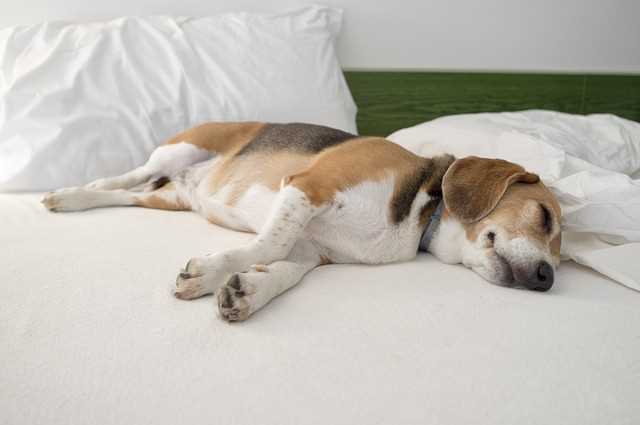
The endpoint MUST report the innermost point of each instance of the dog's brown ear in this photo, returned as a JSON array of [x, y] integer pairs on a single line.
[[473, 186]]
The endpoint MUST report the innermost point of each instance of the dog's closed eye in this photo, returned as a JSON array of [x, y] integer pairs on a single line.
[[547, 220]]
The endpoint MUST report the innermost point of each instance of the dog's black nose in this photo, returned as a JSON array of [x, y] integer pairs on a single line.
[[542, 278]]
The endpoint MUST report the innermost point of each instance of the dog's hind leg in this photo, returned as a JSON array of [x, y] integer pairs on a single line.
[[166, 198], [164, 161], [184, 149]]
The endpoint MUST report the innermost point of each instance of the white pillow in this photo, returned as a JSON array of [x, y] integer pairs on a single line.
[[83, 101]]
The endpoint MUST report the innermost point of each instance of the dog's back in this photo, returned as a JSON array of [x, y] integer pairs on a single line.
[[250, 162]]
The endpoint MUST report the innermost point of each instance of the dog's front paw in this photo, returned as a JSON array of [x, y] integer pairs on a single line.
[[235, 299], [200, 277]]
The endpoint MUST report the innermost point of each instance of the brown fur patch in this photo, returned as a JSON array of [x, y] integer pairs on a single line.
[[160, 202], [260, 268], [353, 162], [224, 138], [518, 213], [555, 244], [267, 169], [473, 186]]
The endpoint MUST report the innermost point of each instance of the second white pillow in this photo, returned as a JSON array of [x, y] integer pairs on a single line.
[[83, 101]]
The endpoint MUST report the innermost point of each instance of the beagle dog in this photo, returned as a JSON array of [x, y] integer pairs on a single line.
[[315, 195]]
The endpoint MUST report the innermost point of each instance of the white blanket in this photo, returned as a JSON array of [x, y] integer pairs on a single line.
[[592, 163]]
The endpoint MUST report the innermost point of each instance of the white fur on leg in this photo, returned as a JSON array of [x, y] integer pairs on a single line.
[[82, 199], [124, 181], [245, 293], [290, 214], [165, 160]]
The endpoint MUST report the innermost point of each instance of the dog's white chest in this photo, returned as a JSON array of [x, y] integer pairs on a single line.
[[357, 227]]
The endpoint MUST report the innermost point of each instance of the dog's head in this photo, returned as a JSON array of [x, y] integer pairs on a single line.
[[511, 222]]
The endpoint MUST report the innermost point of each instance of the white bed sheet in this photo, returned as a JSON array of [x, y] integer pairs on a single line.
[[90, 334]]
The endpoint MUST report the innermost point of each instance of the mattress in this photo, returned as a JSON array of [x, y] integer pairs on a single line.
[[89, 333]]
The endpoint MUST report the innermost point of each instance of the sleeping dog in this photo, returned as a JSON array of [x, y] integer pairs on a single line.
[[315, 195]]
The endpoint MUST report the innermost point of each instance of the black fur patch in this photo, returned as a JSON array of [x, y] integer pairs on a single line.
[[409, 187], [429, 176], [234, 282], [159, 182], [295, 137], [224, 300], [547, 223]]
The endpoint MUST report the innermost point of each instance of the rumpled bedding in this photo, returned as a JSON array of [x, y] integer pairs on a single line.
[[591, 163]]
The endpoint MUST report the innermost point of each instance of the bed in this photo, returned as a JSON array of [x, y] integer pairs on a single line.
[[90, 333]]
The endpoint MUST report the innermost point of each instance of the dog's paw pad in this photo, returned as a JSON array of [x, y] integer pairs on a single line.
[[233, 300], [201, 276], [189, 287]]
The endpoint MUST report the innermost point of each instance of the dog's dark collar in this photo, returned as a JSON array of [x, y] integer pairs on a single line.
[[434, 222]]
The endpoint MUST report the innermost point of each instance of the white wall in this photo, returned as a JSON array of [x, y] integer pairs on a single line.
[[544, 35]]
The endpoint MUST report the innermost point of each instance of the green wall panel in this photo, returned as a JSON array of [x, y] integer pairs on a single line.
[[388, 101]]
